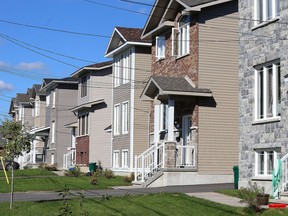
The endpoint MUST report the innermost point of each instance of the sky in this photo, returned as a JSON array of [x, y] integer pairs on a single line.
[[35, 43]]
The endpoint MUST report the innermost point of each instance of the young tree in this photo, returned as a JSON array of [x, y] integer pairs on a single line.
[[18, 141]]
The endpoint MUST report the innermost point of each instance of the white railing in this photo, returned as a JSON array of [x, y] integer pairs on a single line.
[[149, 162], [69, 159], [284, 179], [186, 156], [25, 160]]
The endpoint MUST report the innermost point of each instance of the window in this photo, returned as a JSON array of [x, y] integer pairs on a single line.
[[83, 124], [163, 117], [266, 10], [125, 158], [126, 68], [116, 125], [37, 108], [53, 98], [48, 100], [84, 86], [117, 70], [160, 47], [265, 161], [116, 159], [125, 117], [267, 91], [181, 37], [53, 132]]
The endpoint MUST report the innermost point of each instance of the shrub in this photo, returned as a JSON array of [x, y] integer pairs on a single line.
[[249, 195], [73, 172], [108, 174], [129, 179], [93, 181], [50, 167]]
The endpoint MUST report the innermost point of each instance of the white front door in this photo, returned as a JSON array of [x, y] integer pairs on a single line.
[[186, 139]]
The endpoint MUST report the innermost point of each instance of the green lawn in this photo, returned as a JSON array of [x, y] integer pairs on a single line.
[[229, 192], [56, 183], [28, 172], [155, 204]]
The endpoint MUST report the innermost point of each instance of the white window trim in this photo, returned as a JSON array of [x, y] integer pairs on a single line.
[[275, 108], [122, 157], [265, 174], [48, 100], [265, 19], [84, 88], [116, 120], [37, 108], [160, 47], [53, 132], [116, 163], [117, 70], [53, 98], [124, 131]]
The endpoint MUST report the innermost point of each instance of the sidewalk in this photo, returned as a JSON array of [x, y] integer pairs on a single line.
[[219, 198]]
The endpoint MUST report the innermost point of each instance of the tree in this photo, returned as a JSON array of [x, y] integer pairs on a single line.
[[18, 141]]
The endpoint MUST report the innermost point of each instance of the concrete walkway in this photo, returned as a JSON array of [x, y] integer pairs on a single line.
[[219, 198]]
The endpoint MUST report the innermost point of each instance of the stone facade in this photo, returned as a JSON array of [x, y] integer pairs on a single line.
[[258, 45]]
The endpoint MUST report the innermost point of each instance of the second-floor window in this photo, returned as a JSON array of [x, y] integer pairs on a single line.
[[84, 86], [53, 132], [83, 124], [266, 10], [116, 126], [267, 91], [160, 47], [37, 108], [53, 98], [125, 117], [181, 37], [122, 68]]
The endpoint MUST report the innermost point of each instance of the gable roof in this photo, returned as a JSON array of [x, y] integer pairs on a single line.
[[123, 37], [94, 67], [22, 98], [162, 87], [48, 82], [163, 14]]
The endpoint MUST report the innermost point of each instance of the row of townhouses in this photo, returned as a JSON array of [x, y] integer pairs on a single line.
[[199, 89]]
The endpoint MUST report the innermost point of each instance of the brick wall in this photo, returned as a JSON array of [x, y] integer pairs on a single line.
[[82, 150]]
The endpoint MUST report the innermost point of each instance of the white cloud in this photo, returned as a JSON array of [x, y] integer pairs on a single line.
[[5, 86], [3, 64], [31, 66]]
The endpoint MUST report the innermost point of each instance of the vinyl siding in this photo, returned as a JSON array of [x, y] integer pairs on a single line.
[[142, 108], [218, 71]]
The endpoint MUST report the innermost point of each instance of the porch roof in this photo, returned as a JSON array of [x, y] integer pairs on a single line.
[[42, 131], [163, 87], [87, 105]]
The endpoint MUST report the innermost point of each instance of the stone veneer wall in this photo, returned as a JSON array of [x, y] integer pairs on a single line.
[[257, 46]]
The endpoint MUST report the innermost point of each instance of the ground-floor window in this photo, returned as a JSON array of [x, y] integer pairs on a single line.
[[265, 161], [125, 158], [116, 159]]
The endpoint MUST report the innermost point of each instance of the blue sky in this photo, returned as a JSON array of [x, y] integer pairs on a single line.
[[20, 67]]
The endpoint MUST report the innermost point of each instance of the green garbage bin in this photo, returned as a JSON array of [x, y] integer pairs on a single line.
[[92, 167], [236, 176]]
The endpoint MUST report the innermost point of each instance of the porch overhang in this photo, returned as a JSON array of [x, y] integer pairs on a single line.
[[175, 88], [87, 105], [43, 131], [71, 125]]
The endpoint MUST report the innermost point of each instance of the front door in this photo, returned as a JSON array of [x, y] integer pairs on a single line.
[[186, 139]]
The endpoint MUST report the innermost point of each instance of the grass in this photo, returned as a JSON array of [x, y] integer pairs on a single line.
[[50, 183], [153, 204], [28, 172], [229, 192]]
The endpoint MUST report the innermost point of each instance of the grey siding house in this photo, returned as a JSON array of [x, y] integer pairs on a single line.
[[93, 109], [263, 91], [131, 69], [61, 96]]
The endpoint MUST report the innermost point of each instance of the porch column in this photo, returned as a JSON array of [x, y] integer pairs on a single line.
[[171, 104], [156, 123]]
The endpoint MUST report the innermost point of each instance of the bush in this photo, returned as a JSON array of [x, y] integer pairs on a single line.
[[129, 179], [108, 174], [50, 167], [93, 181], [249, 195], [73, 172]]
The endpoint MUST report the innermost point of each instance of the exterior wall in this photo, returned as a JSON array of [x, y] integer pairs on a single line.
[[141, 108], [39, 121], [28, 119], [255, 51], [100, 118], [218, 71], [65, 100]]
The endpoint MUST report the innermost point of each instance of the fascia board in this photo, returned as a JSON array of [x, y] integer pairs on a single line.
[[200, 7], [127, 44]]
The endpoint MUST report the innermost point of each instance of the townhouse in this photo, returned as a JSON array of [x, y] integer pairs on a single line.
[[263, 92], [93, 110], [131, 69], [194, 90]]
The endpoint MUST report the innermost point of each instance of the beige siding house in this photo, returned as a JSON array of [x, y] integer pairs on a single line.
[[131, 69], [93, 139], [194, 90]]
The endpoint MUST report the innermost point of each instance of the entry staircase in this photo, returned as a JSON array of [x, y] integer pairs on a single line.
[[69, 159], [150, 165]]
